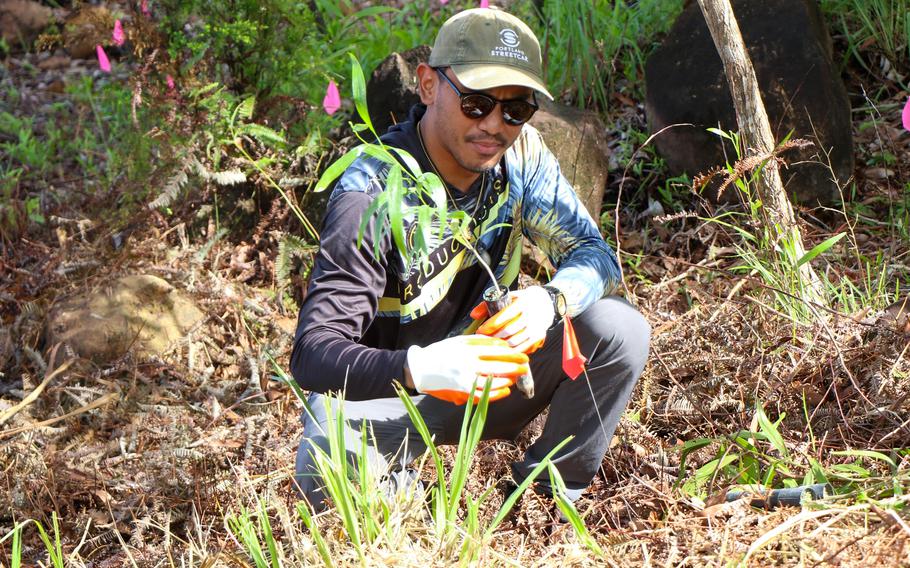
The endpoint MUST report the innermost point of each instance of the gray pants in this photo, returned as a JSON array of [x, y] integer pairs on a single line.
[[611, 334]]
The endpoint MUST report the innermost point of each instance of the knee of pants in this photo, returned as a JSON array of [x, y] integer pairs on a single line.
[[614, 331]]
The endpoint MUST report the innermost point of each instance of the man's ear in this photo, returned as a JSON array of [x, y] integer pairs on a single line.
[[427, 83]]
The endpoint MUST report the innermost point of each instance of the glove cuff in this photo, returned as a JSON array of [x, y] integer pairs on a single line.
[[415, 362]]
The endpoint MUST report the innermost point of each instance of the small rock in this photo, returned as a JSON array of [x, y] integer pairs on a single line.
[[54, 62], [878, 174], [57, 87], [86, 28], [22, 20], [140, 313]]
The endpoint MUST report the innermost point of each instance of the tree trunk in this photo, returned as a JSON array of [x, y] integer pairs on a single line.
[[755, 130]]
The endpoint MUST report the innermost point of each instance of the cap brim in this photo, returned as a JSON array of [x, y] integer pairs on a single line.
[[479, 77]]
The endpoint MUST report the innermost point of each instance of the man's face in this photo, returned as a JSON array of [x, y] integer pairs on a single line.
[[471, 145]]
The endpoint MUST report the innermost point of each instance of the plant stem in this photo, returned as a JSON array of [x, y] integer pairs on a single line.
[[483, 263]]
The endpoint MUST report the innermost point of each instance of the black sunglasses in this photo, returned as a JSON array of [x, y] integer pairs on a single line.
[[515, 112]]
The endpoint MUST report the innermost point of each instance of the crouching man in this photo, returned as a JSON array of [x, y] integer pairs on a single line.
[[368, 322]]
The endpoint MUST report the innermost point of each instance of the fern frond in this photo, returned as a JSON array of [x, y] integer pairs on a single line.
[[263, 134], [229, 177], [170, 190], [289, 248]]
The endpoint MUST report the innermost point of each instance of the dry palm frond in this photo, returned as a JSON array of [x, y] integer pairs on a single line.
[[747, 164]]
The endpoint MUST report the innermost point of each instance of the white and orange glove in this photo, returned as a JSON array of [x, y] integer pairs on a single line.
[[524, 322], [456, 368]]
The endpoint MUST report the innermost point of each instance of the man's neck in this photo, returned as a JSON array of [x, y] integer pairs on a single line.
[[446, 167]]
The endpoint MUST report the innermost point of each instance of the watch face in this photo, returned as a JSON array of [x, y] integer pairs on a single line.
[[559, 301], [560, 304]]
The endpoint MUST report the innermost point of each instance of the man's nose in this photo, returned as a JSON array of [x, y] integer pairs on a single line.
[[493, 123]]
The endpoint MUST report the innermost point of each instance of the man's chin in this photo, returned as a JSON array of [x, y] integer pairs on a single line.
[[484, 164]]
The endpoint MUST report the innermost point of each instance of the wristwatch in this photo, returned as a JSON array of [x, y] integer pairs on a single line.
[[559, 303]]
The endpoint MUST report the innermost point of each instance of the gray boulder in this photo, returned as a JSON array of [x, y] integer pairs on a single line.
[[791, 51], [578, 140], [392, 89]]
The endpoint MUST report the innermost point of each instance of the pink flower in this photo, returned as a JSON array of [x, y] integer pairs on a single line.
[[484, 3], [905, 117], [103, 61], [443, 1], [145, 7], [118, 35], [171, 86], [332, 101]]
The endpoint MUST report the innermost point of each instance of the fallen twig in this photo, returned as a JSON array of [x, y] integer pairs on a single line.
[[784, 527], [110, 397], [32, 396]]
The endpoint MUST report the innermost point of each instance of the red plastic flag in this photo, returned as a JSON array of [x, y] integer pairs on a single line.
[[332, 101], [905, 117], [484, 3], [145, 7], [118, 36], [103, 61], [573, 362], [171, 86]]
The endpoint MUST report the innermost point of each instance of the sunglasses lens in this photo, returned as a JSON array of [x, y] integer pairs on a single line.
[[517, 112], [477, 106]]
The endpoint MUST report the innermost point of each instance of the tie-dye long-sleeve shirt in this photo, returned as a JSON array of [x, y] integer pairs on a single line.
[[361, 313]]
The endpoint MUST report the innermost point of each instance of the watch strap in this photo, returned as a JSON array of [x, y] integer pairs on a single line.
[[559, 304]]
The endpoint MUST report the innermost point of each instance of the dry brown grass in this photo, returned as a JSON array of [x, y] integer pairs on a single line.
[[149, 477]]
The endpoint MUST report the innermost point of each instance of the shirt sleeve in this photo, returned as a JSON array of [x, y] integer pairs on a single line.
[[341, 302], [556, 221]]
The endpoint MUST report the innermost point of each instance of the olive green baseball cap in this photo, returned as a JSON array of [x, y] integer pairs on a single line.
[[488, 48]]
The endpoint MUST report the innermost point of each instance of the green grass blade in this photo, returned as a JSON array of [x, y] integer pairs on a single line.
[[771, 432], [867, 454], [819, 249], [337, 168], [241, 526], [424, 432], [396, 205], [266, 527], [54, 548], [309, 520], [513, 498], [282, 377], [570, 512], [16, 553], [359, 88]]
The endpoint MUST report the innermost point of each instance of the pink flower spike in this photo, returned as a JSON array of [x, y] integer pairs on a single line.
[[103, 61], [145, 7], [171, 86], [484, 3], [905, 117], [118, 35], [332, 101]]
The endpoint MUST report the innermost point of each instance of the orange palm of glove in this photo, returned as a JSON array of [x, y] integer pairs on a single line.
[[506, 322]]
